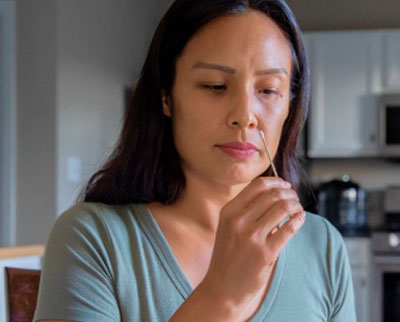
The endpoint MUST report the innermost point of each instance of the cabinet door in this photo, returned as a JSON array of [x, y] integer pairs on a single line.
[[359, 253], [391, 61], [346, 76], [361, 293]]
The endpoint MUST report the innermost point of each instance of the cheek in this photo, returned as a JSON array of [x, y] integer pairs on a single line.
[[273, 116], [196, 115], [272, 124], [191, 122]]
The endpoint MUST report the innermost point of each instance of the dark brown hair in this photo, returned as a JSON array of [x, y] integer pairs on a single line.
[[145, 166]]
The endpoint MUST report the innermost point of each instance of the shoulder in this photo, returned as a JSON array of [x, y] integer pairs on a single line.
[[109, 224], [320, 248], [94, 214], [93, 222], [92, 231], [319, 240], [320, 231]]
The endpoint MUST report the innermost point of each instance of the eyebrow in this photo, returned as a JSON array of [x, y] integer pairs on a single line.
[[230, 70]]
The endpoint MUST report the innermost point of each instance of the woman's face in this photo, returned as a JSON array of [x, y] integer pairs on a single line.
[[232, 80]]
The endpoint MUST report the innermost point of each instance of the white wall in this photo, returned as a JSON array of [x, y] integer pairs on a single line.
[[7, 122], [99, 52], [36, 128], [73, 59]]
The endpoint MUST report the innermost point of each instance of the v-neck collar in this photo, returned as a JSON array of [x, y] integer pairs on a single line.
[[170, 263]]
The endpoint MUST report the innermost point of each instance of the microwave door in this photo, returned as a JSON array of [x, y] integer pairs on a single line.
[[389, 125]]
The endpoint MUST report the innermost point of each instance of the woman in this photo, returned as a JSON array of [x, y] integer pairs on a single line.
[[185, 222]]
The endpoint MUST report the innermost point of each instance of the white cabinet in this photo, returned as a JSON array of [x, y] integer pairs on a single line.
[[345, 76], [391, 61], [359, 252], [349, 70]]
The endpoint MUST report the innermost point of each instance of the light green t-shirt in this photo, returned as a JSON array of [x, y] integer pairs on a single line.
[[112, 263]]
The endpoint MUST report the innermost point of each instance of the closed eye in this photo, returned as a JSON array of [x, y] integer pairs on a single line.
[[215, 88], [268, 91], [221, 88]]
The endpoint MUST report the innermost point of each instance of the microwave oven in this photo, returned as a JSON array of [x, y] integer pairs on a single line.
[[389, 125]]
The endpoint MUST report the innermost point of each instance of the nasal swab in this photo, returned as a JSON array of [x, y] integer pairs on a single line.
[[273, 169], [269, 154]]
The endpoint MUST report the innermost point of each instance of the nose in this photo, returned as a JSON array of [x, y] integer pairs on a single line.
[[242, 112]]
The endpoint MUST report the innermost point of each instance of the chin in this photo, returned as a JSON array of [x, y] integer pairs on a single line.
[[240, 177]]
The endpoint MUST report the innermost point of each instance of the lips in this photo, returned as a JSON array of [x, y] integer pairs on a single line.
[[238, 150], [239, 145]]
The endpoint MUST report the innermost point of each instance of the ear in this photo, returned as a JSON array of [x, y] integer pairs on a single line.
[[166, 103]]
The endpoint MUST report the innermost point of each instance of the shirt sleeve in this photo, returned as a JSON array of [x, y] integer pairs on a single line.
[[343, 308], [77, 280]]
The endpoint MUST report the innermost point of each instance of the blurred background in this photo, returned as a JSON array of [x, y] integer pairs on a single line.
[[65, 70]]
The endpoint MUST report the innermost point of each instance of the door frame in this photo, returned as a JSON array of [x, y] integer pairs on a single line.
[[8, 121]]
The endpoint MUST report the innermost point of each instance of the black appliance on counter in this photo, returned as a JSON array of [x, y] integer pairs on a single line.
[[343, 203]]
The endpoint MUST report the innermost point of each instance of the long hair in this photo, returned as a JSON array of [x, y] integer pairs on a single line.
[[145, 166]]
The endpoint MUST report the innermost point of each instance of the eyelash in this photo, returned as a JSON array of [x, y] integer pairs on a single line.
[[215, 88], [218, 89]]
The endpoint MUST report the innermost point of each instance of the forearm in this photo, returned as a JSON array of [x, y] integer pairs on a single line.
[[205, 305]]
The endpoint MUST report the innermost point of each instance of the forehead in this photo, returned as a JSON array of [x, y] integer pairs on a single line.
[[242, 40]]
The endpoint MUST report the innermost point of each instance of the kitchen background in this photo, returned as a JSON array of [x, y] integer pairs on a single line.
[[64, 69]]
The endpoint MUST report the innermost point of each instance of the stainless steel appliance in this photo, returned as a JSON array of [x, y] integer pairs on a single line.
[[391, 205], [385, 244], [385, 295], [389, 125], [343, 203]]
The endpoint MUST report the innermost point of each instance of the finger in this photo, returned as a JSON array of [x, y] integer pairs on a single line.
[[265, 201], [279, 239], [276, 228], [257, 186], [277, 213]]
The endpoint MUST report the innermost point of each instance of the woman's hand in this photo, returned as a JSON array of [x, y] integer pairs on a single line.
[[247, 242]]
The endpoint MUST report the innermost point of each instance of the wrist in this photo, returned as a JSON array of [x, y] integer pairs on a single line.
[[223, 305], [206, 303]]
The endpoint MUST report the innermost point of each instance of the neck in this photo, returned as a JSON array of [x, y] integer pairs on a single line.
[[200, 203]]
